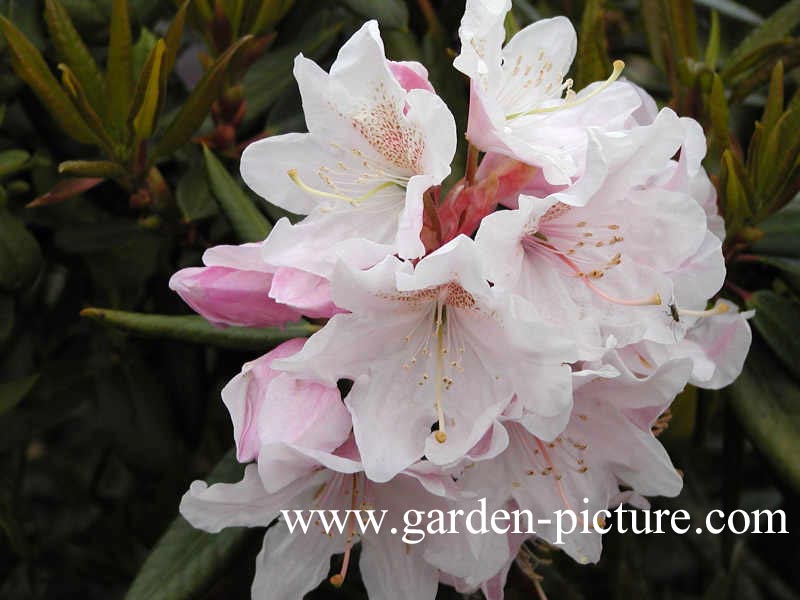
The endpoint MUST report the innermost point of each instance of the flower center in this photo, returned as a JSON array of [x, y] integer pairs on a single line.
[[587, 251], [440, 340]]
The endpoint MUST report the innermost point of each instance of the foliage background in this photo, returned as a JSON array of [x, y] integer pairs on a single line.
[[106, 416]]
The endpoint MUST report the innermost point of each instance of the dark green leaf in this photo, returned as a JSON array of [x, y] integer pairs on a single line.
[[196, 107], [186, 561], [20, 257], [781, 233], [191, 328], [72, 51], [766, 401], [193, 195], [12, 161], [777, 26], [777, 319], [119, 75], [29, 65], [12, 392], [790, 265], [391, 14], [248, 223]]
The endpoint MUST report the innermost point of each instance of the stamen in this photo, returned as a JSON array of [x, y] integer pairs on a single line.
[[719, 309], [618, 67], [653, 300], [440, 435], [295, 177], [338, 579]]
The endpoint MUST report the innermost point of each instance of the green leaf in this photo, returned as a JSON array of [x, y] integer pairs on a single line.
[[248, 223], [712, 48], [777, 26], [192, 328], [72, 51], [20, 256], [12, 392], [735, 192], [193, 195], [29, 66], [119, 73], [391, 14], [777, 319], [103, 169], [149, 96], [173, 37], [733, 10], [268, 15], [790, 265], [195, 108], [766, 401], [186, 561], [720, 116], [13, 161], [593, 63], [90, 117], [773, 108]]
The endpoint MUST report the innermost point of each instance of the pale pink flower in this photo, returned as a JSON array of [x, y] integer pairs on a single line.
[[607, 443], [270, 409], [520, 104], [233, 288], [373, 149], [617, 262], [434, 345], [717, 345]]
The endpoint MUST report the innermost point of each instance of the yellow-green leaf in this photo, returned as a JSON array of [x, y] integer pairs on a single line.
[[105, 169], [150, 91], [196, 107], [84, 107], [29, 66], [593, 63], [119, 74], [72, 51]]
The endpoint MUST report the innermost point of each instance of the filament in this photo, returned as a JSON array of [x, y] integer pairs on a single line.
[[295, 177], [618, 67]]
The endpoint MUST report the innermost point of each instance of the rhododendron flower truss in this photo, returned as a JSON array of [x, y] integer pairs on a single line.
[[520, 103], [434, 345], [373, 149]]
